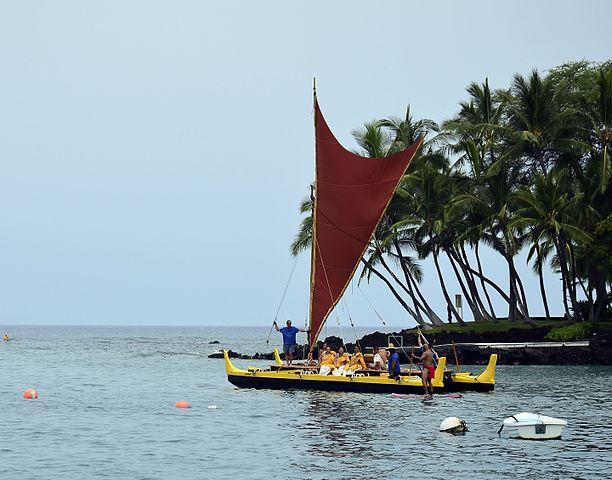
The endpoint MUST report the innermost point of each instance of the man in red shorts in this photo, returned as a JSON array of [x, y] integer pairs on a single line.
[[429, 369]]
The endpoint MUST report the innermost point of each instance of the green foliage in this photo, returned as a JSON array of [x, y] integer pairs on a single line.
[[527, 166], [570, 333], [490, 327]]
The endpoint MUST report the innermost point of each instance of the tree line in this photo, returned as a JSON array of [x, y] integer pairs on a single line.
[[522, 168]]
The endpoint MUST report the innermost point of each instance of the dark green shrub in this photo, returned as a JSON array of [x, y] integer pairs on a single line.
[[570, 333]]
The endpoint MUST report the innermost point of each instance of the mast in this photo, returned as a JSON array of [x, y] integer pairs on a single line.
[[313, 199]]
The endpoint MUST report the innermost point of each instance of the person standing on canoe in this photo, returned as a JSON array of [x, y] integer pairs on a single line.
[[431, 347], [428, 368], [394, 363], [289, 342]]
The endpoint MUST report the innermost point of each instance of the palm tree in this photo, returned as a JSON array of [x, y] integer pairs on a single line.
[[425, 190], [406, 131], [303, 239], [373, 140], [473, 135], [587, 90], [489, 202], [541, 250], [547, 208], [479, 119], [537, 122], [530, 168], [602, 126]]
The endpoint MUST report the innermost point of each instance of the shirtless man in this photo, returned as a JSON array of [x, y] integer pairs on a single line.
[[428, 368], [380, 359], [431, 346]]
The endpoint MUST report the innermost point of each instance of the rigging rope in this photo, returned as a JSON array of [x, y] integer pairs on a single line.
[[371, 305], [427, 341], [282, 299], [341, 333], [348, 314], [331, 295]]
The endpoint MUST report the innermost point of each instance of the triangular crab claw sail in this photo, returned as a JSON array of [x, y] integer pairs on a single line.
[[352, 194]]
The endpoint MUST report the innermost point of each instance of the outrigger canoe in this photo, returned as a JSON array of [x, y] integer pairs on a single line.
[[277, 377], [349, 198]]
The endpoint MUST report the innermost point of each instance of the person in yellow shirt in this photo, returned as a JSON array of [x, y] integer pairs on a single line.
[[321, 352], [328, 361], [342, 361], [357, 362]]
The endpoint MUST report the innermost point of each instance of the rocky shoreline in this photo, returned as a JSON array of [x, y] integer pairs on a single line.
[[598, 351]]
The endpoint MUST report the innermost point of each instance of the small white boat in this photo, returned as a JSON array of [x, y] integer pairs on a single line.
[[532, 426]]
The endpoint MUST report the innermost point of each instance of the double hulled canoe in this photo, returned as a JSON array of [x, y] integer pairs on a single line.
[[306, 378]]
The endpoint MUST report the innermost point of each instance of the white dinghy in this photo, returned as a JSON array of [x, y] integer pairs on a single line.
[[532, 426]]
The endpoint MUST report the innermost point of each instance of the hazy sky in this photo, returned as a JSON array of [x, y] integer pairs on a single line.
[[153, 153]]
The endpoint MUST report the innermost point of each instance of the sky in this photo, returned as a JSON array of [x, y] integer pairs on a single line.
[[153, 153]]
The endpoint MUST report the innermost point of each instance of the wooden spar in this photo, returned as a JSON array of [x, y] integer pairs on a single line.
[[412, 363], [456, 358], [312, 334]]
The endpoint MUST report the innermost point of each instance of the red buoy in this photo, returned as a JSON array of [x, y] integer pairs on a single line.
[[182, 404], [30, 393]]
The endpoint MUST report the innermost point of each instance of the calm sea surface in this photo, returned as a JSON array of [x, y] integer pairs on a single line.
[[106, 410]]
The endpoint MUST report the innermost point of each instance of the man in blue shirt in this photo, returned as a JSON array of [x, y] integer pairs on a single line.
[[289, 342], [394, 362]]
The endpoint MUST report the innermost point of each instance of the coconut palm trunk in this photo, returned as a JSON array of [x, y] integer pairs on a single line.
[[431, 315], [471, 283], [408, 291], [444, 291], [478, 317], [568, 291], [483, 278], [539, 262], [395, 293], [522, 298], [482, 283]]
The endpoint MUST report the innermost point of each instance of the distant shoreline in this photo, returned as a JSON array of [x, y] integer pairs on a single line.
[[475, 344]]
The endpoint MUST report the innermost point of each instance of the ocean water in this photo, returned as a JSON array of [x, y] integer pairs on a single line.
[[106, 410]]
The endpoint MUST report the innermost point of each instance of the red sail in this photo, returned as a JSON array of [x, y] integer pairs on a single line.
[[352, 193]]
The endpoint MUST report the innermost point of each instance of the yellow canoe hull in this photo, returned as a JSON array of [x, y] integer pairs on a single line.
[[308, 380]]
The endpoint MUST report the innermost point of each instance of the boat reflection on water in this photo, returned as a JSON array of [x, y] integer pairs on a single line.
[[345, 425]]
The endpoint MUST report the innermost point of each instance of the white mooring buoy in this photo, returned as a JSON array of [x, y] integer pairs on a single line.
[[453, 425]]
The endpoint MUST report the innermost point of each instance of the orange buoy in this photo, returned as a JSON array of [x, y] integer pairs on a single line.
[[182, 404], [30, 393]]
